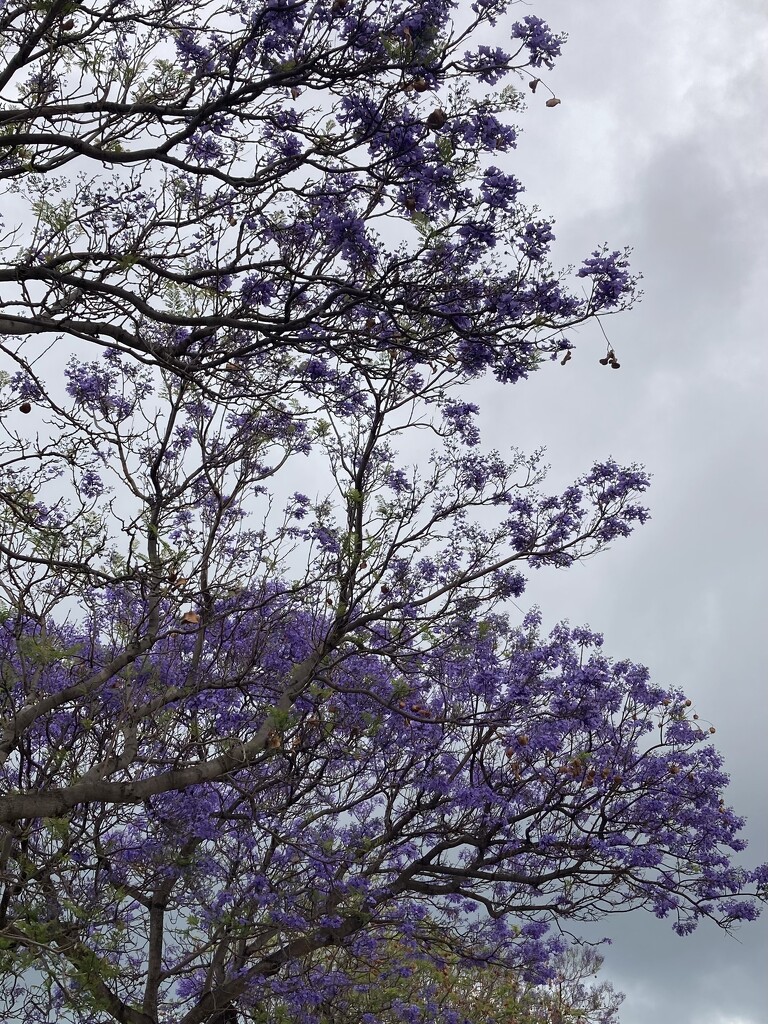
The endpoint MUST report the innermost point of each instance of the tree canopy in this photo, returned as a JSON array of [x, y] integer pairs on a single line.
[[263, 693]]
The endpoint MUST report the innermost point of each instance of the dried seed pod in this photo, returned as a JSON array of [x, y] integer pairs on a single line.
[[25, 407], [605, 361], [533, 83], [437, 119], [420, 84], [68, 25], [565, 358], [553, 102], [191, 617], [615, 365]]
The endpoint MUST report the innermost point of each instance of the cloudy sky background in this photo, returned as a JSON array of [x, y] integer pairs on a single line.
[[660, 142]]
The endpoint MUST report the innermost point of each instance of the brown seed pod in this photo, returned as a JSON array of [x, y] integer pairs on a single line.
[[437, 119], [68, 25], [533, 83], [615, 365], [553, 102], [25, 407], [712, 730], [420, 84], [191, 617], [565, 358], [605, 361]]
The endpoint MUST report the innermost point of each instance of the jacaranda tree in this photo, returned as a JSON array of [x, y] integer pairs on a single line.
[[394, 983], [260, 692]]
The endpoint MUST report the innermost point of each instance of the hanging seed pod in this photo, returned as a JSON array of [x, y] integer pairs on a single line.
[[437, 119], [553, 102], [533, 83], [25, 407], [605, 361], [420, 84], [615, 365]]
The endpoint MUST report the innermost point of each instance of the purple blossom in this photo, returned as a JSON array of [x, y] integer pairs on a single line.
[[192, 53], [542, 44], [489, 65], [257, 291], [612, 282], [535, 240]]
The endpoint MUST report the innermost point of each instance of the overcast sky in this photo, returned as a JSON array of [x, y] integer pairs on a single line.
[[661, 142]]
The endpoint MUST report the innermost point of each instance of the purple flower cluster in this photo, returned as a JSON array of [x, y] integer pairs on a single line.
[[538, 38]]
